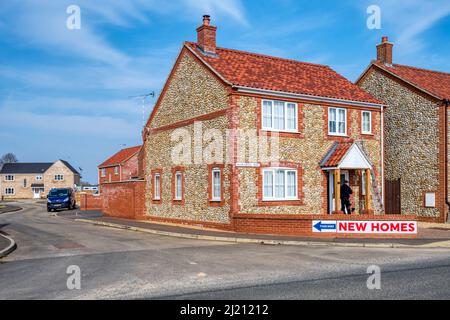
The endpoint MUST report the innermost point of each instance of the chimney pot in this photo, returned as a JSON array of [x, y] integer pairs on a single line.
[[206, 20], [384, 39]]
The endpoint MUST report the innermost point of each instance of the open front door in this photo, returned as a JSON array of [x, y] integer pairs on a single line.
[[331, 198]]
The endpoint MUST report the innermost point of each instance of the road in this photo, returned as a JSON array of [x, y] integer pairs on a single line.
[[126, 264]]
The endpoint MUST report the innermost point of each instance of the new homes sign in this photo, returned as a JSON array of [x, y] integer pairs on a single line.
[[364, 227]]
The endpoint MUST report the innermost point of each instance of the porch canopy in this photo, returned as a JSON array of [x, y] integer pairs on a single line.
[[347, 156]]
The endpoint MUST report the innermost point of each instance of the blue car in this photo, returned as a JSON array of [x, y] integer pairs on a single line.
[[61, 198]]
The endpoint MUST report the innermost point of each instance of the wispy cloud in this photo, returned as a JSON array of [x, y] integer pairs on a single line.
[[79, 126], [411, 19]]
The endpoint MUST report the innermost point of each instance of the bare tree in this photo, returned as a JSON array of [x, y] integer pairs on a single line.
[[8, 158]]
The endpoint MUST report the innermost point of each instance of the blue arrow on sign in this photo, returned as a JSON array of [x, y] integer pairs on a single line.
[[325, 226]]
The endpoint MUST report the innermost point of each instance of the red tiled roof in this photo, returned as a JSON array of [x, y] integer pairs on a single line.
[[265, 72], [435, 82], [120, 156], [334, 156]]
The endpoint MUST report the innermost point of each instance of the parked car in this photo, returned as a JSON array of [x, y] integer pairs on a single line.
[[60, 198]]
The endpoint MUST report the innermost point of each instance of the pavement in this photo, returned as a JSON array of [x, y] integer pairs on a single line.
[[123, 264], [8, 208], [430, 236], [7, 244]]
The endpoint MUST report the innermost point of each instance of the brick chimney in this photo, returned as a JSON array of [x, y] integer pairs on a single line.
[[384, 51], [206, 36]]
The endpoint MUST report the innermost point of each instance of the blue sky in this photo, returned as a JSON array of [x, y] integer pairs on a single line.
[[66, 93]]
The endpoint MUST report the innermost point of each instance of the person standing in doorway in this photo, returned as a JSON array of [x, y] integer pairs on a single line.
[[346, 191]]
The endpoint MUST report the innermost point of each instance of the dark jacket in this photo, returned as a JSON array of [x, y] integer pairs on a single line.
[[346, 191]]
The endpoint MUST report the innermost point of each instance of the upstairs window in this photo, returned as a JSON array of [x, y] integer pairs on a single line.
[[366, 122], [337, 121], [24, 183], [116, 170], [103, 172], [39, 177], [279, 116], [59, 177], [9, 177]]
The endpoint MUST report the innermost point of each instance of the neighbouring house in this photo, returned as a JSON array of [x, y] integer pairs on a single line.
[[329, 130], [121, 166], [416, 134], [33, 180]]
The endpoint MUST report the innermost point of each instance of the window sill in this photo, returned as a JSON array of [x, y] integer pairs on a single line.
[[269, 203], [178, 201], [216, 203], [338, 135]]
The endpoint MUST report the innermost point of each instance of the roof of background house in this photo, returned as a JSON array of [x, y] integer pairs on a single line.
[[120, 156], [23, 167], [434, 82], [31, 167], [68, 165], [284, 75]]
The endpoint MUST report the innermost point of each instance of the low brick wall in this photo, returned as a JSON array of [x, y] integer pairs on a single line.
[[301, 225], [124, 199], [88, 201]]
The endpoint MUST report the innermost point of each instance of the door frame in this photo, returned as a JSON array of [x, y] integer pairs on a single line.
[[330, 188]]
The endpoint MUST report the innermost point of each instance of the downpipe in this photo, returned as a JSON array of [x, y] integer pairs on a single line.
[[446, 103]]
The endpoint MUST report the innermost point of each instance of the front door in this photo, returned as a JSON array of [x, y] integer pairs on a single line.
[[36, 193], [344, 176]]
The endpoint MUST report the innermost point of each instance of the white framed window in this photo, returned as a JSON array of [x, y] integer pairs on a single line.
[[59, 177], [39, 177], [9, 191], [366, 122], [178, 185], [337, 121], [103, 172], [216, 179], [280, 184], [116, 170], [9, 177], [279, 116], [157, 186], [430, 199], [24, 183]]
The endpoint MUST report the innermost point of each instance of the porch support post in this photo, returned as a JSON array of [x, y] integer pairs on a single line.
[[368, 195], [337, 190]]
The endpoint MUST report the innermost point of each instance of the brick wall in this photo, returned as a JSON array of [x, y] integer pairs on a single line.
[[89, 201], [301, 225], [129, 168], [124, 199]]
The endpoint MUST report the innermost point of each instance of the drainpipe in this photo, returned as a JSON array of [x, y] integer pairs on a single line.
[[446, 103], [382, 158]]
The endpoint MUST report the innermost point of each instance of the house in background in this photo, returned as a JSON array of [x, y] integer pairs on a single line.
[[34, 180], [416, 134], [122, 166], [329, 129]]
